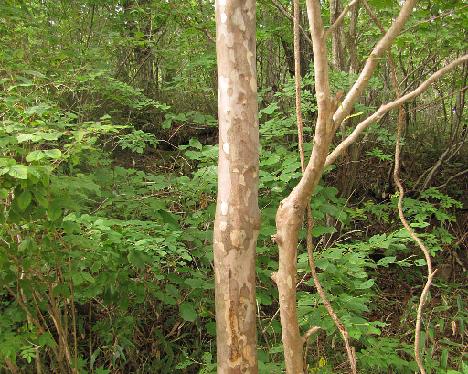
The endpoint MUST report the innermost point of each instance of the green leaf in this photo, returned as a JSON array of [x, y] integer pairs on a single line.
[[386, 261], [444, 358], [50, 135], [21, 138], [165, 298], [54, 211], [321, 230], [35, 156], [53, 153], [194, 283], [24, 199], [187, 312], [270, 109], [365, 285], [88, 277], [137, 259], [18, 171], [195, 143]]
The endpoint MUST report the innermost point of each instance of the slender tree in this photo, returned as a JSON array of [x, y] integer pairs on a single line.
[[331, 114], [237, 215]]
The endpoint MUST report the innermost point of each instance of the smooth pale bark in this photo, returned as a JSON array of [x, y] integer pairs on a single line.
[[290, 213], [237, 215], [291, 210]]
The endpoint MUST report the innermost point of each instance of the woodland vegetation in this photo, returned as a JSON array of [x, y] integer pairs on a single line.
[[326, 234]]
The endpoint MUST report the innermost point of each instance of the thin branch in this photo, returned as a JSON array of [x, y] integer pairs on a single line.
[[445, 157], [423, 248], [453, 177], [401, 194], [340, 18], [311, 332], [371, 63], [350, 351], [288, 15], [373, 16], [310, 222], [447, 13], [298, 81], [389, 106], [324, 104]]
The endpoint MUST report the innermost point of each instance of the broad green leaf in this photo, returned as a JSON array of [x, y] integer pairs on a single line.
[[35, 156], [195, 143], [18, 171], [7, 161], [53, 153], [386, 261], [21, 138], [54, 211], [365, 285], [194, 283], [24, 199], [188, 312], [137, 259]]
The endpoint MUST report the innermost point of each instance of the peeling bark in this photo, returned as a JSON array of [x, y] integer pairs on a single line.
[[237, 220]]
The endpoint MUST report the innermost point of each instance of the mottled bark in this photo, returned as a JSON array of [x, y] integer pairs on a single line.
[[237, 215]]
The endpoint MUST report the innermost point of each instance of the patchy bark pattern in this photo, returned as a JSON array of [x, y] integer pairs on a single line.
[[237, 215]]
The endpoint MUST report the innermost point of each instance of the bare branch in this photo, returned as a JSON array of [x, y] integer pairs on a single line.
[[350, 351], [340, 18], [433, 18], [311, 332], [419, 242], [288, 15], [444, 157], [361, 83], [323, 134], [453, 177], [298, 81], [322, 86], [373, 16], [323, 128], [389, 106]]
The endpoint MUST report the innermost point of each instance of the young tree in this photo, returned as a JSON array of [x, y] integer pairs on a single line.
[[331, 114], [237, 214]]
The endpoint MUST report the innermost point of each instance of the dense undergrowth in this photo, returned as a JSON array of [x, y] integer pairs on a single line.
[[107, 195]]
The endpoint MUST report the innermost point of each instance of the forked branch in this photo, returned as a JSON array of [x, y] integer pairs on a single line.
[[371, 63], [309, 242], [340, 18], [389, 106]]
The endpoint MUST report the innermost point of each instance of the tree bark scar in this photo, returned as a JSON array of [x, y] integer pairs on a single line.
[[234, 352], [234, 346]]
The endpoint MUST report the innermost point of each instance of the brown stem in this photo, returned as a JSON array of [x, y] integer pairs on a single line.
[[288, 15], [350, 351], [340, 18], [423, 248], [310, 224]]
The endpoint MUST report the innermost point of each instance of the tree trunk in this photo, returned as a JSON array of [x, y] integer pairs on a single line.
[[337, 36], [237, 220]]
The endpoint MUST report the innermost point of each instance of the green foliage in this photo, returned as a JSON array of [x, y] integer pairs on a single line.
[[137, 141], [120, 258]]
